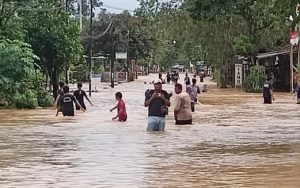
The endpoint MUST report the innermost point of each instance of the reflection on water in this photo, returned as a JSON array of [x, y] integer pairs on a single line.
[[235, 142]]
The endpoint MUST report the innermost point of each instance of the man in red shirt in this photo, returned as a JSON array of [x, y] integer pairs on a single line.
[[122, 115]]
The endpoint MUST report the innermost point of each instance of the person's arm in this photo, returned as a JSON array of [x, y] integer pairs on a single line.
[[166, 99], [78, 104], [113, 108], [57, 111], [58, 107], [148, 101], [57, 101], [271, 92], [88, 99], [177, 103]]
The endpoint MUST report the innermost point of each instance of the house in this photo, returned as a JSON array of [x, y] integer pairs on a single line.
[[277, 64]]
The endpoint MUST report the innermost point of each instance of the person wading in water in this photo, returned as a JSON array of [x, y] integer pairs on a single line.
[[182, 107], [157, 101], [66, 103], [80, 95]]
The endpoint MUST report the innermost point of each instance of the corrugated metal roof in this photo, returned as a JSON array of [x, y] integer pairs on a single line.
[[271, 54]]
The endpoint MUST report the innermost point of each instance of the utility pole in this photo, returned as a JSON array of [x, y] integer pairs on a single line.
[[291, 69], [67, 68], [80, 14], [112, 62], [91, 47]]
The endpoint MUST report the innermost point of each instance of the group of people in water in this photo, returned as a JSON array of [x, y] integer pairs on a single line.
[[157, 101], [65, 102]]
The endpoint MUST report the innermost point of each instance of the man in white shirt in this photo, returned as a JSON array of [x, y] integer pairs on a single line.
[[182, 107]]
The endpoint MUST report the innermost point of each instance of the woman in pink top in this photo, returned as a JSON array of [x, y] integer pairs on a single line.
[[122, 115]]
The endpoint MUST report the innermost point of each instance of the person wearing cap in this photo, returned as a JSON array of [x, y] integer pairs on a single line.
[[157, 101]]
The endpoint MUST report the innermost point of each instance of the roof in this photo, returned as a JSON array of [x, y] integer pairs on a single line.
[[284, 51], [271, 54]]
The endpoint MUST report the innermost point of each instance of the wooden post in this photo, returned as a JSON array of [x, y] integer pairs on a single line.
[[291, 69], [298, 62]]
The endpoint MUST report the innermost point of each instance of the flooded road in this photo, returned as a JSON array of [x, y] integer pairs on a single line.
[[235, 141]]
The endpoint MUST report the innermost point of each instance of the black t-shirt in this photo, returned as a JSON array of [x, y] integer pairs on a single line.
[[66, 103], [266, 89], [80, 94], [155, 108]]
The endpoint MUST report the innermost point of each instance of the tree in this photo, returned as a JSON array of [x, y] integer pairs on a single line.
[[17, 63], [126, 34], [55, 38], [241, 27]]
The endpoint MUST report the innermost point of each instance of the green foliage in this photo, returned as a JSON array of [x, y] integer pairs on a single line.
[[254, 82], [242, 45], [44, 98], [17, 64], [16, 60], [27, 100]]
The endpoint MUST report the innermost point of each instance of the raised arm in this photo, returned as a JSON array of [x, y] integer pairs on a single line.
[[149, 100]]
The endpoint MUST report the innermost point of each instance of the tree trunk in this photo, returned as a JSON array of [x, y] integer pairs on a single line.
[[54, 81]]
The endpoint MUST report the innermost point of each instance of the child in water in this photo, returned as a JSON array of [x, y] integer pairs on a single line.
[[122, 115]]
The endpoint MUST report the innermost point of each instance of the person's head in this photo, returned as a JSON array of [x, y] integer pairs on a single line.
[[118, 95], [79, 85], [159, 75], [61, 84], [178, 88], [186, 74], [194, 81], [66, 89], [158, 85]]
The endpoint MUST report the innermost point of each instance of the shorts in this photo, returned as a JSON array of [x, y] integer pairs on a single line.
[[156, 123], [184, 122], [122, 117]]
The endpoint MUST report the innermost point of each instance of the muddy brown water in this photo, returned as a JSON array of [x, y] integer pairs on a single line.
[[235, 141]]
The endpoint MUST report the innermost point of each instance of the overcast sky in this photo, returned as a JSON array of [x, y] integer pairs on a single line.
[[118, 6]]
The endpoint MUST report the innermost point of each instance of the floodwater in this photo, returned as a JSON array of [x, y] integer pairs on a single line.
[[235, 141]]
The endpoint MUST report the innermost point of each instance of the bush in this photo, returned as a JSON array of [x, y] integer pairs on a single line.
[[254, 82], [26, 100], [44, 98]]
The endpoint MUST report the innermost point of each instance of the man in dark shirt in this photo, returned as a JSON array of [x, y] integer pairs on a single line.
[[66, 103], [157, 101], [79, 95], [268, 92]]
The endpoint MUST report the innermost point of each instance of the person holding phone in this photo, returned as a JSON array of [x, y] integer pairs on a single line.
[[157, 101]]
